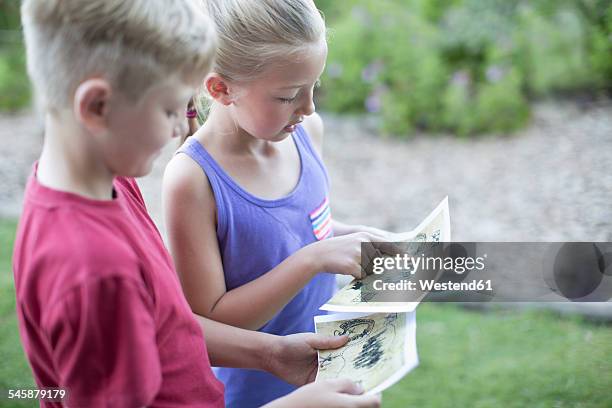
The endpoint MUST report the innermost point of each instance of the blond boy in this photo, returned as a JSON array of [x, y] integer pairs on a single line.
[[100, 308]]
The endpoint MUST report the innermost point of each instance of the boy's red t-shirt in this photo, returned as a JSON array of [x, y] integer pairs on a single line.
[[100, 307]]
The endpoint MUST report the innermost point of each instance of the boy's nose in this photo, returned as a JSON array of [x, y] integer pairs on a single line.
[[181, 129]]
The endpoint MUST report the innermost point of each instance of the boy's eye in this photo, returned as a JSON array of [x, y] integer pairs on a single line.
[[171, 113], [317, 84]]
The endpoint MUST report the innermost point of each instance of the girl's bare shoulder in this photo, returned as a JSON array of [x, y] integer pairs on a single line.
[[185, 178]]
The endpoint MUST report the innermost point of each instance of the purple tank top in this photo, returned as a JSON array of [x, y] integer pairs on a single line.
[[254, 236]]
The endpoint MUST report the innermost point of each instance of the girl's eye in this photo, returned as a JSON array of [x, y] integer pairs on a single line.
[[172, 114], [317, 84], [286, 100]]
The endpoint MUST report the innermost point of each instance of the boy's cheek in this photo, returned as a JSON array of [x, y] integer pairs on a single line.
[[180, 130]]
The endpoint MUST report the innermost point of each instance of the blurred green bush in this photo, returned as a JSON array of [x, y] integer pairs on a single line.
[[14, 84], [465, 66]]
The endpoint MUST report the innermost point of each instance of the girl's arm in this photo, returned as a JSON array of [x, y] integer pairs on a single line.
[[190, 217], [314, 127]]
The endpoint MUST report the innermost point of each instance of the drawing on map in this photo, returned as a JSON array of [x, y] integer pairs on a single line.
[[380, 351]]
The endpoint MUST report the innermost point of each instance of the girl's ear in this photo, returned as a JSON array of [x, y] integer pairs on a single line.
[[91, 104], [217, 88]]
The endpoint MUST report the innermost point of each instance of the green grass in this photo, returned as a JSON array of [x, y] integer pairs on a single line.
[[506, 359], [14, 370], [468, 359]]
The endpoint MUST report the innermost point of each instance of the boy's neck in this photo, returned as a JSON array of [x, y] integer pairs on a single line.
[[69, 163]]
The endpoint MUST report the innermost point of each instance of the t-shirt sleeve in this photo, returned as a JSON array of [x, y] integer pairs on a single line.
[[103, 342], [131, 187]]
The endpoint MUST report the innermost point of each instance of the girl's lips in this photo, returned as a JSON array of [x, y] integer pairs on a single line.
[[291, 128]]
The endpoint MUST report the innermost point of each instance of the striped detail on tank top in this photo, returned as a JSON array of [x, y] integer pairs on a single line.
[[321, 220]]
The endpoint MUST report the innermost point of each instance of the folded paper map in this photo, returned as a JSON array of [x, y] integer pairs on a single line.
[[435, 228]]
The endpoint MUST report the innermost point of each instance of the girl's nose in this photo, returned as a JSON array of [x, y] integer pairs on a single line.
[[308, 106]]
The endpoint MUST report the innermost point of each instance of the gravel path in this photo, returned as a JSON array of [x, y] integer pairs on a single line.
[[549, 182]]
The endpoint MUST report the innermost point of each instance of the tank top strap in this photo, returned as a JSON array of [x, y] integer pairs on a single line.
[[197, 153]]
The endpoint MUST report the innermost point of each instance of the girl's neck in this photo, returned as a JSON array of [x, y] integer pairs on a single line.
[[68, 162], [221, 130]]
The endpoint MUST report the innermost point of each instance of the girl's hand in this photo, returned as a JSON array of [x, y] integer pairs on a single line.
[[338, 393], [342, 255]]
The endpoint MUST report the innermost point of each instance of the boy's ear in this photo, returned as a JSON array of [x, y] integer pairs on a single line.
[[217, 88], [91, 104]]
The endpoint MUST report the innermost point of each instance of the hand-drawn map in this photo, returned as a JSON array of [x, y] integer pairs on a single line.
[[435, 228], [380, 351]]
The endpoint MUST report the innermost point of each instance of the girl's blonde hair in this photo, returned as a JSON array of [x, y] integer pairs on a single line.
[[131, 43], [254, 34]]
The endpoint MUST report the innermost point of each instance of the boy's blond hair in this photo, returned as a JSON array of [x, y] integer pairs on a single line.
[[131, 43]]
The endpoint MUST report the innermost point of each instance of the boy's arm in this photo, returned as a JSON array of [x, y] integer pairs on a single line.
[[292, 358]]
